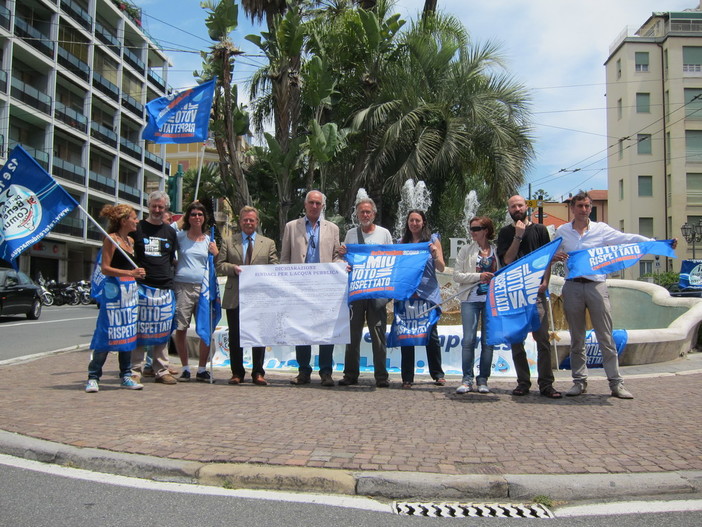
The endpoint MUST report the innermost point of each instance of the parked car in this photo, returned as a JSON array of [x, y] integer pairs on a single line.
[[19, 295]]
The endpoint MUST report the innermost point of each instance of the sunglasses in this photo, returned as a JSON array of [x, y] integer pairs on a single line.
[[196, 214], [477, 228]]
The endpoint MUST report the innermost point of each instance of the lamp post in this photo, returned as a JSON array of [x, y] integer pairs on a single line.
[[692, 234]]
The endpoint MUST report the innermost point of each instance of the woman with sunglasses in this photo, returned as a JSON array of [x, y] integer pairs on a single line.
[[417, 231], [475, 266], [193, 247]]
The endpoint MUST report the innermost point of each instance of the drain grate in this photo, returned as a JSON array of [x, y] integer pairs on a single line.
[[472, 510]]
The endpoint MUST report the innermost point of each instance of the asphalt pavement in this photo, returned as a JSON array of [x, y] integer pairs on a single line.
[[427, 443]]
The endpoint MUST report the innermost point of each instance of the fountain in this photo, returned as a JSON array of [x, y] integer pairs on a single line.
[[411, 197]]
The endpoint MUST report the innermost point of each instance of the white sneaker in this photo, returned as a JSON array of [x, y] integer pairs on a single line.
[[464, 388], [483, 388], [621, 392], [92, 386], [130, 384]]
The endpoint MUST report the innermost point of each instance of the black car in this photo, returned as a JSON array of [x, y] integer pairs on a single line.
[[19, 295]]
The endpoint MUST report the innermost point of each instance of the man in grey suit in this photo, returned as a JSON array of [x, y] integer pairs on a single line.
[[243, 248], [311, 239]]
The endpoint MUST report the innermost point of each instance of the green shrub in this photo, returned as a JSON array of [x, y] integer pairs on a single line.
[[667, 279]]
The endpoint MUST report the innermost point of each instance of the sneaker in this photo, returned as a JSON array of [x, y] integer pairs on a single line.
[[185, 376], [483, 388], [578, 388], [130, 384], [203, 376], [621, 392], [92, 386], [166, 379], [464, 388], [148, 372]]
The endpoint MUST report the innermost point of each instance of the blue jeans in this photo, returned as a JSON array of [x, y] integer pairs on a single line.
[[470, 314], [98, 361]]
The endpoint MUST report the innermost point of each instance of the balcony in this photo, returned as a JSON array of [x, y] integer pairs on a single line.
[[102, 183], [129, 193], [3, 81], [71, 117], [69, 171], [34, 37], [133, 149], [31, 96], [107, 37], [133, 60], [156, 80], [105, 86], [4, 17], [94, 233], [104, 134], [70, 226], [73, 64], [153, 160], [78, 14], [39, 156], [132, 104]]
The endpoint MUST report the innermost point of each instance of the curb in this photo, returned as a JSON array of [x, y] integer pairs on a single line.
[[384, 485]]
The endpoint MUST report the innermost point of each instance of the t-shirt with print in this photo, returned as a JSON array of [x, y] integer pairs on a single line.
[[155, 247]]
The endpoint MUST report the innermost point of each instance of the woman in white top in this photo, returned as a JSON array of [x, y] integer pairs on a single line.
[[193, 246], [475, 267]]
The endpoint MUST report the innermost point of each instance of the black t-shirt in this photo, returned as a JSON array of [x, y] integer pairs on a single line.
[[535, 236], [155, 247]]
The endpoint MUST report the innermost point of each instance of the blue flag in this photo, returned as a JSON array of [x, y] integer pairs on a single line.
[[116, 328], [156, 315], [593, 353], [181, 117], [412, 322], [97, 279], [691, 274], [511, 311], [385, 271], [610, 258], [209, 306], [31, 203]]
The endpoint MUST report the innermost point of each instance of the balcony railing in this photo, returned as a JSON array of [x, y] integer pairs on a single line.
[[34, 37], [107, 37], [39, 156], [156, 80], [131, 58], [70, 117], [73, 64], [69, 171], [103, 183], [79, 14], [4, 17], [105, 86], [94, 233], [70, 226], [103, 134], [133, 149], [153, 160], [32, 96], [3, 81], [129, 193], [132, 104]]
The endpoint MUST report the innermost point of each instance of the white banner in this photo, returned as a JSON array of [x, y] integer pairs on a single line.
[[293, 304]]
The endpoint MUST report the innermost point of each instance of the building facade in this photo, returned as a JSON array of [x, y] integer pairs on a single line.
[[75, 78], [654, 117]]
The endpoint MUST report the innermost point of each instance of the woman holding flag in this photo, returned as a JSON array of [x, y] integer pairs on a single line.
[[417, 231], [193, 248], [122, 222], [475, 266]]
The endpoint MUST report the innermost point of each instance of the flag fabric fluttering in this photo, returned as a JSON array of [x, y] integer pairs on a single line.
[[31, 204], [209, 306]]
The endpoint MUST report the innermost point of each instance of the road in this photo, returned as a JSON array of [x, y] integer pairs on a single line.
[[59, 327]]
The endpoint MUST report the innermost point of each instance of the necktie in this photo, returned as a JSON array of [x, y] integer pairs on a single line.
[[249, 251]]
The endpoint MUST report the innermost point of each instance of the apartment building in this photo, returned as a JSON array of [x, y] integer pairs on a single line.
[[75, 78], [654, 121]]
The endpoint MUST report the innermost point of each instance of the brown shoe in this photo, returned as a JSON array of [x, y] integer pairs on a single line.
[[148, 372], [301, 379], [166, 379], [347, 381], [327, 379], [234, 380], [259, 380]]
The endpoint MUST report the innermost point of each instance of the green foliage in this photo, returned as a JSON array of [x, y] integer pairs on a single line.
[[546, 501], [222, 19], [667, 279]]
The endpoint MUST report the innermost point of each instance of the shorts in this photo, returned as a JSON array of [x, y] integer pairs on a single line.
[[187, 296]]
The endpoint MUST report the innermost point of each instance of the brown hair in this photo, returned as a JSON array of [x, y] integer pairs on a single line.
[[485, 222], [195, 205], [115, 214]]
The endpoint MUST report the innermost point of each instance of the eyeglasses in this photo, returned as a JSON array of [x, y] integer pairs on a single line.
[[476, 228], [195, 214]]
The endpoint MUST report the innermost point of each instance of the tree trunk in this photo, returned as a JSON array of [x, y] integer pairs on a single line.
[[429, 7]]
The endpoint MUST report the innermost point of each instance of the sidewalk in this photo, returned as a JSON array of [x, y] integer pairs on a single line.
[[423, 443]]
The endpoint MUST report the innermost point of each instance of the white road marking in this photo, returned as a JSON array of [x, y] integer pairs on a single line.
[[35, 322], [34, 356], [349, 502], [629, 507]]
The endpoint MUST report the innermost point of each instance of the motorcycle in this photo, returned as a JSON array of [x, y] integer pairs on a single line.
[[83, 289], [47, 298]]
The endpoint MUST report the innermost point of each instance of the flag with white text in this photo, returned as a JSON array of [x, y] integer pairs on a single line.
[[116, 328], [156, 319], [610, 258]]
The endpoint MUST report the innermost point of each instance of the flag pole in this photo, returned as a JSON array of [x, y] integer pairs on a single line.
[[103, 231]]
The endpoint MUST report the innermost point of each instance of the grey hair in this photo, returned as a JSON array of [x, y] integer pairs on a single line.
[[324, 198], [159, 194], [370, 202]]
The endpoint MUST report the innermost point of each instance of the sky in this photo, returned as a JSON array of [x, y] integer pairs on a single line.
[[555, 48]]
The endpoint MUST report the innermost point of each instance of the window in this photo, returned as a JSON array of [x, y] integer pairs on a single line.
[[643, 144], [619, 110], [643, 103], [641, 60], [621, 189], [645, 186], [665, 63], [621, 225], [694, 189], [619, 68], [621, 148], [645, 267], [693, 146], [646, 227], [692, 59], [693, 103]]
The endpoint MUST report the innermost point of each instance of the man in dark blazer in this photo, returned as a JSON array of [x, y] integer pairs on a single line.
[[311, 239], [243, 248]]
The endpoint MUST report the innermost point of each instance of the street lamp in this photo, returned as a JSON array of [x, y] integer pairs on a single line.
[[692, 234]]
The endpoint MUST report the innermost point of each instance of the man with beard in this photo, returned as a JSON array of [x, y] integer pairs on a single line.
[[513, 242], [371, 311]]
